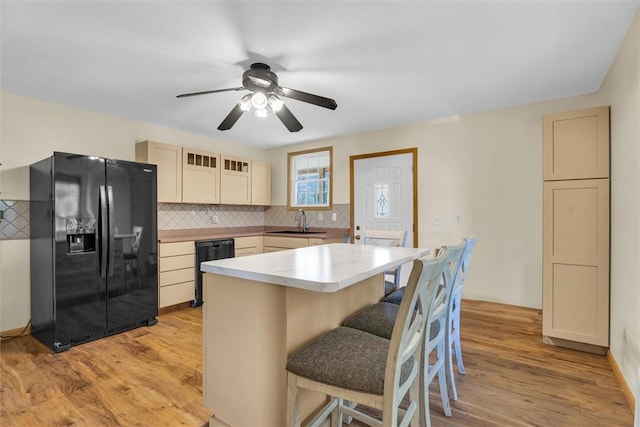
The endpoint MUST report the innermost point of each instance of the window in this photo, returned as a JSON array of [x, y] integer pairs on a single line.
[[310, 179]]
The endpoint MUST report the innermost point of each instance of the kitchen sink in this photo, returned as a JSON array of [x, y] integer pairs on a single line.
[[295, 232]]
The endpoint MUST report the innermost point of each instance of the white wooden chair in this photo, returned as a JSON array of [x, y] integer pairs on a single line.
[[453, 332], [396, 238], [352, 365], [380, 318]]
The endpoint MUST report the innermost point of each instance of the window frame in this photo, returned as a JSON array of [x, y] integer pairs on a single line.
[[291, 197]]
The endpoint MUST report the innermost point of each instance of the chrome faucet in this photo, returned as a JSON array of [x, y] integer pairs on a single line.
[[302, 216]]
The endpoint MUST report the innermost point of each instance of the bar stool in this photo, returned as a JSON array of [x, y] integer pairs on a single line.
[[380, 318], [352, 365]]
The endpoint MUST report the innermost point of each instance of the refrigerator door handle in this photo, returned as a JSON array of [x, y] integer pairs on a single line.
[[103, 232], [112, 246]]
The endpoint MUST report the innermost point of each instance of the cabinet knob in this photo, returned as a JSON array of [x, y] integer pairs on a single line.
[[357, 237]]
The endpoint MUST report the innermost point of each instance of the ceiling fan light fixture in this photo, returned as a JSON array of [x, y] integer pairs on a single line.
[[261, 112], [275, 103], [245, 103], [259, 101]]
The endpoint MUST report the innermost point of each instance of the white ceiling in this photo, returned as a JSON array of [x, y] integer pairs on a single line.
[[386, 63]]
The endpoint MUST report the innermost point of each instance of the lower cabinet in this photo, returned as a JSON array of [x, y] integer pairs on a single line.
[[177, 273], [249, 245]]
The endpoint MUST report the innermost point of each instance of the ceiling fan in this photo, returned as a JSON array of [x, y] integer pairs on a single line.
[[265, 98]]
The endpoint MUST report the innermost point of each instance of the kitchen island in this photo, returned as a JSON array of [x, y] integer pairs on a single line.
[[260, 308]]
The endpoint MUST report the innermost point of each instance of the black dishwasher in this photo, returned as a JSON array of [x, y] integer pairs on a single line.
[[209, 250]]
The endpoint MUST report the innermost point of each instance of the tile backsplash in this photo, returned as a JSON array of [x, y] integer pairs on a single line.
[[14, 223], [280, 216], [175, 216]]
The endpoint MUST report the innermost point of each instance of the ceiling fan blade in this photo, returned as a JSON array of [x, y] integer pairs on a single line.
[[320, 101], [206, 92], [231, 118], [288, 119]]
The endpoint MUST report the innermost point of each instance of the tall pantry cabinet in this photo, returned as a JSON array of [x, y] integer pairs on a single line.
[[575, 307]]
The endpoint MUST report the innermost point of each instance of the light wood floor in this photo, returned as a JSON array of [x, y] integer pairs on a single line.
[[153, 377]]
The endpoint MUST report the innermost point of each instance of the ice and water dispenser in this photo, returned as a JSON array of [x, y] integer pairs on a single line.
[[81, 235]]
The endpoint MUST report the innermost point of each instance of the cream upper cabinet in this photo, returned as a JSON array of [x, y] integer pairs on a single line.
[[168, 158], [235, 181], [576, 144], [200, 176], [260, 183]]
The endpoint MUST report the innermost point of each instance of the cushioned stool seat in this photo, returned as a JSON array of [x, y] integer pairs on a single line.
[[377, 319], [389, 287], [347, 358], [394, 297]]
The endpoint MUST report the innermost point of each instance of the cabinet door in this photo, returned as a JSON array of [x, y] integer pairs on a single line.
[[200, 176], [260, 183], [576, 144], [576, 261], [235, 181], [168, 158]]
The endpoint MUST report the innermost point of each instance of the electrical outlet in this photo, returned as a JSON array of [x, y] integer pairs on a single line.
[[320, 216], [436, 220], [214, 219], [334, 216], [457, 218]]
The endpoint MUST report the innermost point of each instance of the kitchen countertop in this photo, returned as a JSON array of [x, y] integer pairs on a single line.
[[322, 268], [168, 236]]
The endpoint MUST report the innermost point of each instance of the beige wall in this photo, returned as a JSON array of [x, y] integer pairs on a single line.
[[621, 90]]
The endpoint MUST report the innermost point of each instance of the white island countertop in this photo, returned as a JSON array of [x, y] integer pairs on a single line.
[[321, 268]]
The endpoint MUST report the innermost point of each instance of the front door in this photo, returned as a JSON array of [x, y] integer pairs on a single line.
[[384, 195]]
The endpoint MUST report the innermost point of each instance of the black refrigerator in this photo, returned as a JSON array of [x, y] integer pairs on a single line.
[[93, 248]]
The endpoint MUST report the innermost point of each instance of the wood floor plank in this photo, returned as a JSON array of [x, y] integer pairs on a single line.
[[152, 376]]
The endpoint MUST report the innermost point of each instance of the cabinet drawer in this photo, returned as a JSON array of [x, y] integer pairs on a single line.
[[177, 248], [177, 276], [175, 294], [177, 262], [285, 242], [247, 242], [246, 251]]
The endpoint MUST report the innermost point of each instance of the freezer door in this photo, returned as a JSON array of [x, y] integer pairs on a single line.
[[80, 310], [132, 274]]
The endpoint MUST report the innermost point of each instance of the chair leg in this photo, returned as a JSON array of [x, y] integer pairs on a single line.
[[458, 351], [336, 415], [293, 401], [442, 381], [456, 338], [425, 414], [449, 366]]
